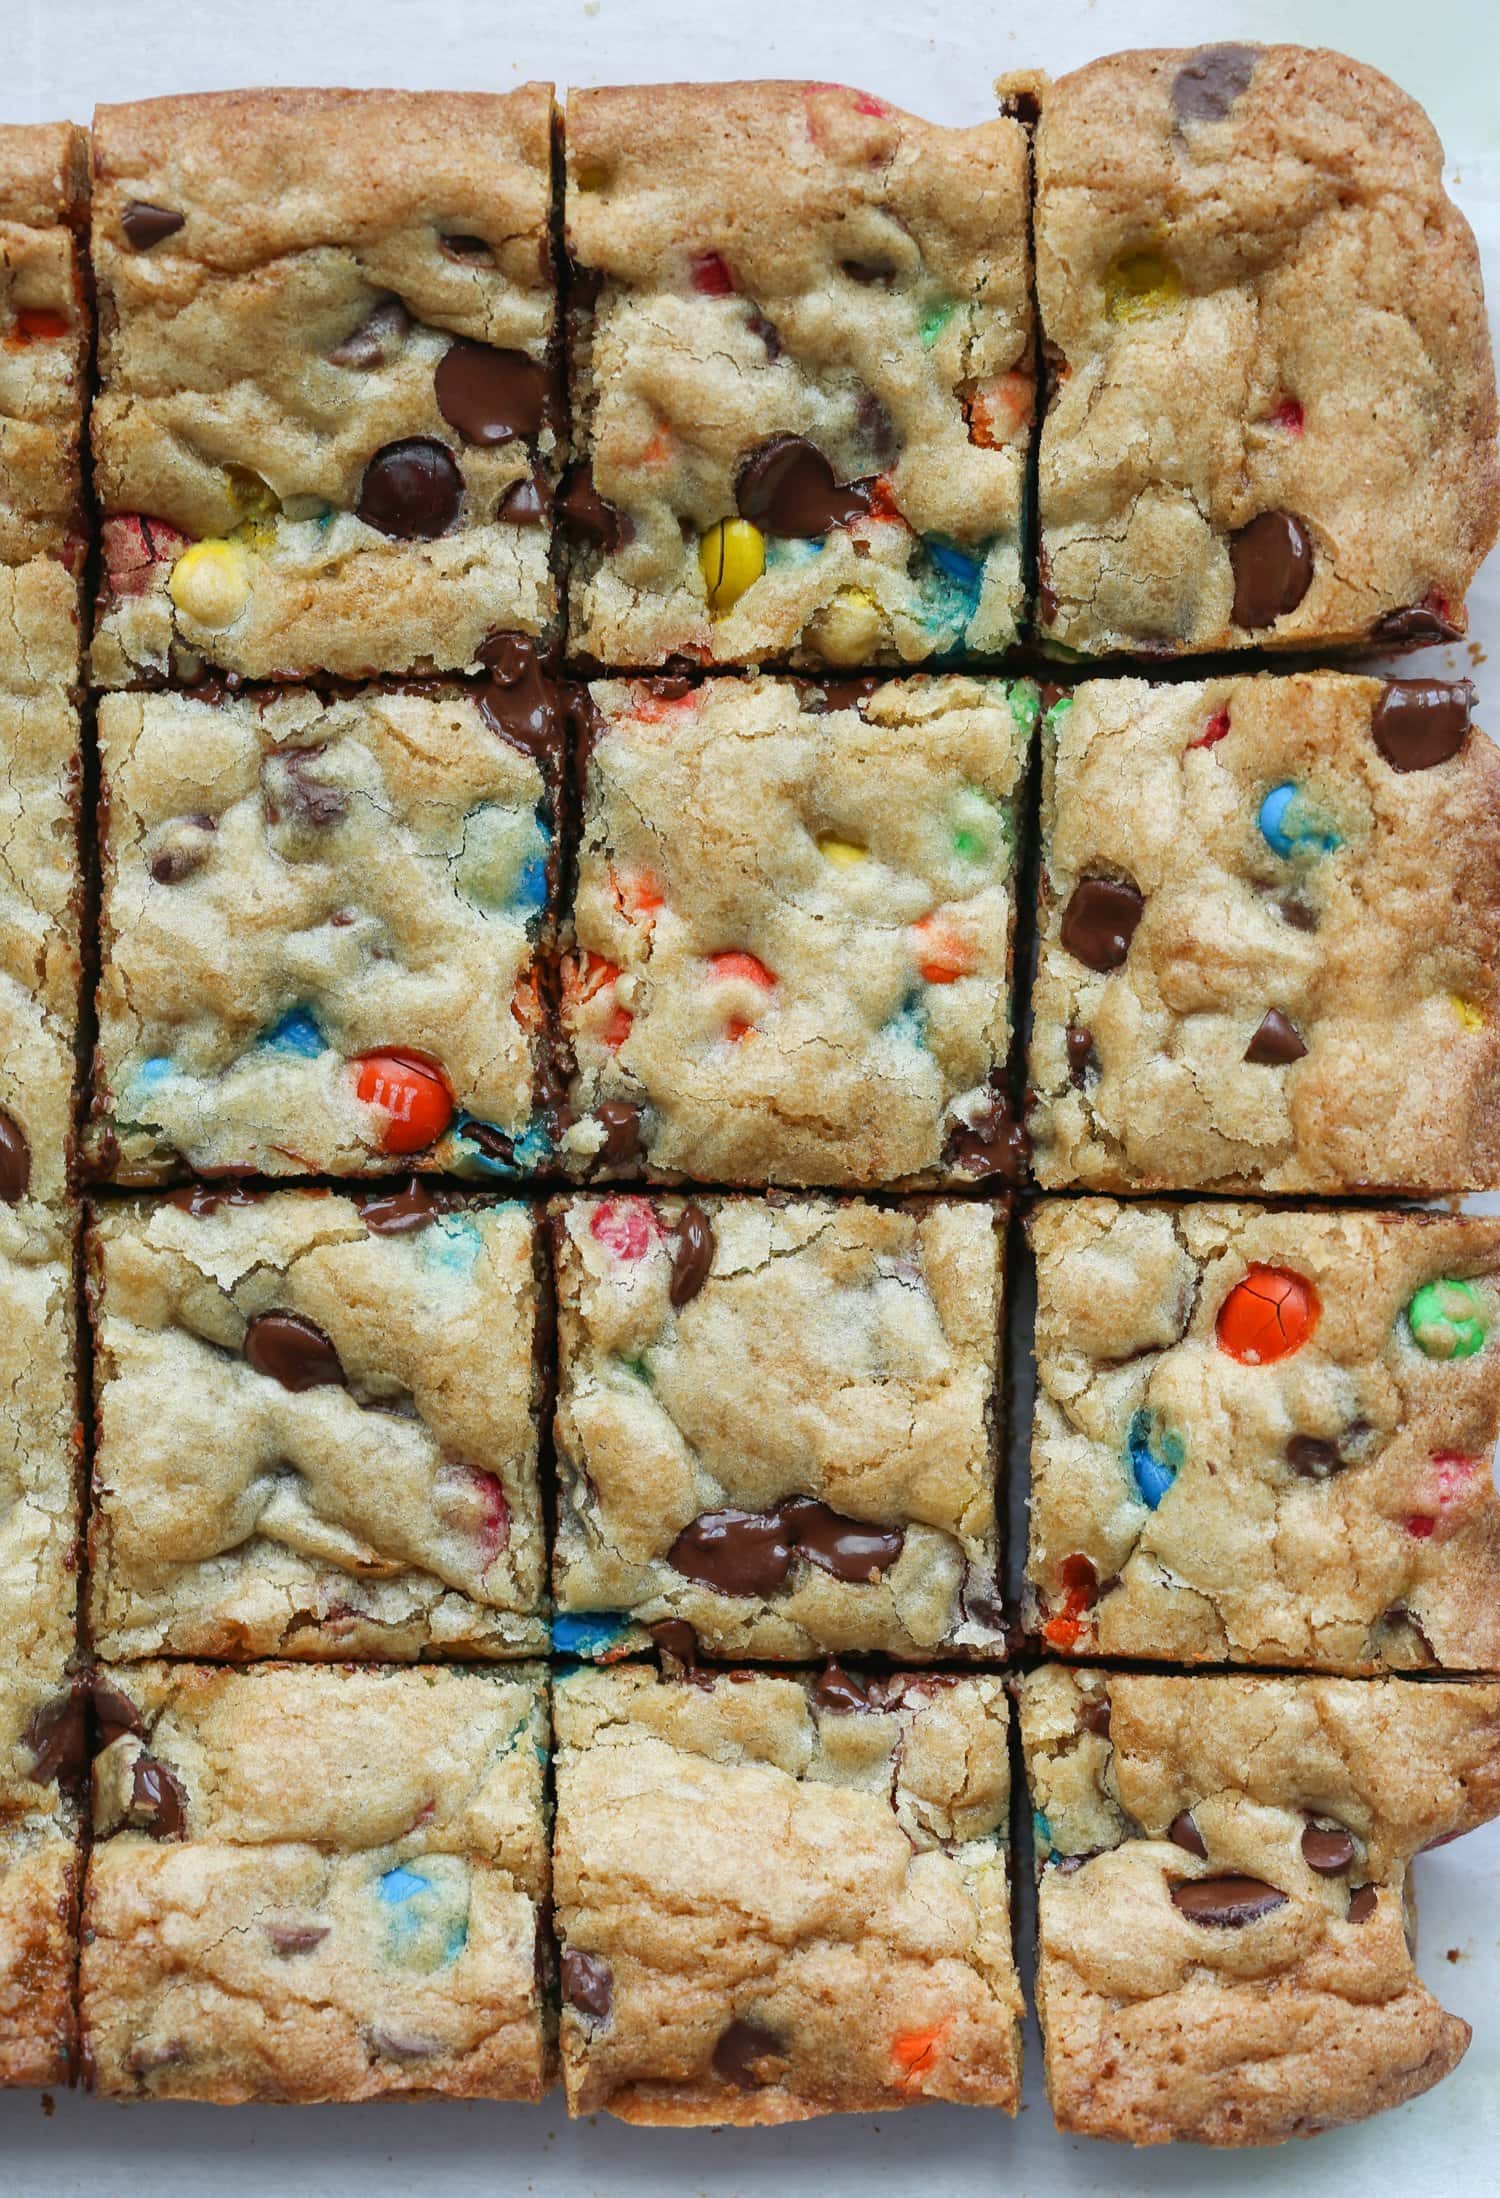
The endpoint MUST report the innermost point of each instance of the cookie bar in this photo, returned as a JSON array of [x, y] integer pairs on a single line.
[[779, 1897], [44, 334], [42, 1747], [1265, 1436], [329, 413], [321, 930], [793, 930], [317, 1426], [775, 1426], [1268, 926], [1271, 409], [1222, 1953], [317, 1885], [803, 377]]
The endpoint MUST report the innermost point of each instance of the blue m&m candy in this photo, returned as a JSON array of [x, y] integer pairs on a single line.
[[1291, 825]]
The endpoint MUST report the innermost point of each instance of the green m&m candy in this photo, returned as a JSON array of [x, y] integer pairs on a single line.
[[1447, 1320]]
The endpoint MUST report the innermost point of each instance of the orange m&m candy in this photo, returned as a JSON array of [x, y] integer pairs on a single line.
[[1268, 1316], [411, 1092]]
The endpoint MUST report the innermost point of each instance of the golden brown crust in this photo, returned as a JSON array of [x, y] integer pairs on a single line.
[[39, 1875]]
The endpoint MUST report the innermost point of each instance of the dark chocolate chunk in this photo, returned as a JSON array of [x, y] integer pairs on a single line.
[[741, 2050], [170, 865], [787, 487], [1363, 1902], [693, 1257], [378, 337], [768, 332], [411, 490], [1276, 1041], [1083, 1061], [587, 1984], [491, 396], [15, 1161], [1297, 913], [115, 1714], [1328, 1852], [288, 1939], [585, 517], [55, 1736], [293, 1351], [621, 1124], [1210, 81], [145, 224], [1416, 623], [493, 1143], [292, 796], [203, 1199], [1099, 921], [839, 1691], [1094, 1717], [847, 1548], [399, 1213], [1184, 1832], [158, 1804], [518, 700], [1229, 1903], [1313, 1458], [821, 695], [1272, 562], [677, 1642], [526, 503], [994, 1143], [1419, 723], [734, 1552]]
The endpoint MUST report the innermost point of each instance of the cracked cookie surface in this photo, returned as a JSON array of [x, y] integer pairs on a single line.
[[1326, 1502], [44, 330], [775, 1424], [799, 266], [321, 923], [1223, 1904], [1268, 926], [1271, 419], [317, 1427], [328, 419], [317, 1885], [792, 932], [779, 1897]]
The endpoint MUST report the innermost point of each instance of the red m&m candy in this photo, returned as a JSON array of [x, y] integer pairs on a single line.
[[1268, 1316], [412, 1094]]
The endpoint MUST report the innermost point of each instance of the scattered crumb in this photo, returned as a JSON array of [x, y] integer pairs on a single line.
[[1455, 1953], [49, 2104]]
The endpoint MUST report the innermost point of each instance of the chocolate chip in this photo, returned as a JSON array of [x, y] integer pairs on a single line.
[[787, 487], [1083, 1061], [203, 1199], [172, 864], [1327, 1852], [294, 797], [1297, 913], [1184, 1832], [399, 1213], [1276, 1041], [585, 517], [1313, 1458], [493, 1143], [526, 503], [838, 1691], [734, 1552], [379, 335], [519, 701], [621, 1124], [1419, 723], [1363, 1902], [288, 1939], [994, 1143], [145, 224], [115, 1714], [55, 1736], [293, 1351], [157, 1797], [1227, 1902], [693, 1257], [1208, 85], [768, 332], [411, 491], [739, 2052], [677, 1642], [587, 1984], [821, 695], [1094, 1717], [1099, 921], [1416, 623], [491, 396], [1272, 562], [15, 1161], [847, 1548]]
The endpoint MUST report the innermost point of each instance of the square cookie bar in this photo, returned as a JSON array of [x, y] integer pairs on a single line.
[[780, 1897], [1223, 1910], [1268, 925], [776, 1426], [1271, 409], [40, 1868], [1265, 1436], [317, 1426], [44, 334], [41, 891], [321, 931], [793, 932], [803, 377], [329, 402], [317, 1885]]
